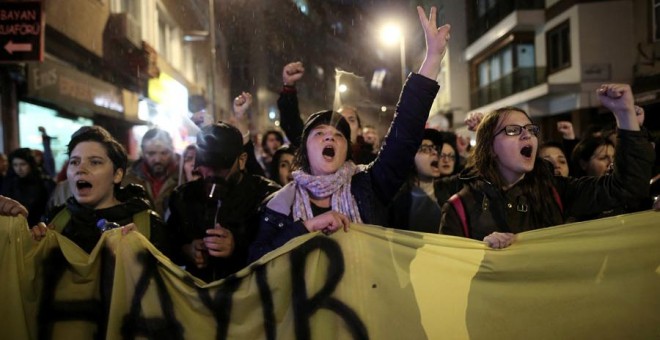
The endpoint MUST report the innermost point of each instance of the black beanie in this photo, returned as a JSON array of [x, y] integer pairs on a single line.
[[328, 118], [218, 146]]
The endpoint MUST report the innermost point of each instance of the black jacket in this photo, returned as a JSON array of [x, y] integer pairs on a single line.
[[192, 212], [373, 188], [400, 209], [489, 209], [32, 191]]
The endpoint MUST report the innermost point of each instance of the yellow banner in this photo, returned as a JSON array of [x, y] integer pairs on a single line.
[[598, 279]]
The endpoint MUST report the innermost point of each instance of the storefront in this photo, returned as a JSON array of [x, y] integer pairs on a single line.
[[166, 108], [60, 128], [62, 99]]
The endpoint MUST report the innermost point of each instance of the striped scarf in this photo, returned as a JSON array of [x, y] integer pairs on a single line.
[[338, 185]]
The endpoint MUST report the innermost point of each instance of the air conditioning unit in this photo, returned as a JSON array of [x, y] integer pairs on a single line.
[[125, 29]]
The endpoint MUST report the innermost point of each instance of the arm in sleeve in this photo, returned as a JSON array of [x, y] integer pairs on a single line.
[[390, 169], [450, 223], [628, 183], [290, 120], [275, 230]]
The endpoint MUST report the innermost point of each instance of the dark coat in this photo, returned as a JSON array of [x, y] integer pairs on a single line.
[[32, 191], [373, 188], [193, 212], [400, 209], [489, 209]]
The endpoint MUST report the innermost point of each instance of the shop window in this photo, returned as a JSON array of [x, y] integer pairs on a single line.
[[558, 46], [31, 117]]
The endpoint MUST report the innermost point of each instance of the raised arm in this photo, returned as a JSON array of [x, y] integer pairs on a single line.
[[287, 103], [436, 43], [392, 165], [241, 104], [619, 99], [632, 164]]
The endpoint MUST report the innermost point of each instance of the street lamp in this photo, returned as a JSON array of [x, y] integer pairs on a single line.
[[390, 34]]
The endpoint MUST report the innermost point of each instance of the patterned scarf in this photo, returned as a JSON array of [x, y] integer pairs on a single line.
[[338, 185]]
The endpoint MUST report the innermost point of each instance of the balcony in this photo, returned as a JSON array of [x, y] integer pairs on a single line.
[[480, 24], [517, 81]]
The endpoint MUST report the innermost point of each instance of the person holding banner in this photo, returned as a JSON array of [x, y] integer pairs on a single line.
[[97, 164], [10, 207], [509, 190], [329, 191]]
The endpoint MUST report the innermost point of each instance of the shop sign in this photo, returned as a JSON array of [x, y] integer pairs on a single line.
[[21, 31], [74, 90]]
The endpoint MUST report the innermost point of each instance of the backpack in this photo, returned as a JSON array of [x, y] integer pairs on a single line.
[[142, 220], [457, 203]]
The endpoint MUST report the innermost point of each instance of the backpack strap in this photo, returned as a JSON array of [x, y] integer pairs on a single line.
[[456, 201], [557, 198], [61, 220], [142, 221]]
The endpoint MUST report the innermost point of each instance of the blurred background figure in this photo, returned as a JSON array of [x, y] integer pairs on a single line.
[[187, 172], [280, 167], [553, 153], [26, 184], [593, 156], [371, 137], [270, 142], [157, 169], [418, 204]]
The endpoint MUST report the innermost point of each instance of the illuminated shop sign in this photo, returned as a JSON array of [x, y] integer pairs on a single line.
[[74, 90]]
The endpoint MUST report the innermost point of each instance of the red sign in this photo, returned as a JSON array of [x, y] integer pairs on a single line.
[[22, 27]]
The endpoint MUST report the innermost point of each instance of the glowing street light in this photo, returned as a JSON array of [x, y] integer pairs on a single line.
[[343, 88], [391, 34]]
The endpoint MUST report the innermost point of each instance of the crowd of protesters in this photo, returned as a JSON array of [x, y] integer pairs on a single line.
[[226, 201]]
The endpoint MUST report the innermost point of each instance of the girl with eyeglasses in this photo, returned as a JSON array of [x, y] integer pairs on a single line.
[[508, 190], [417, 205]]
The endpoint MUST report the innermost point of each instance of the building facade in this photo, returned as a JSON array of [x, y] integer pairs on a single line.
[[548, 57], [120, 64]]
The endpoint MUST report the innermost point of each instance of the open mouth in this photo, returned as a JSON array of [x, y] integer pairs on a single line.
[[434, 164], [328, 151], [83, 185], [526, 151]]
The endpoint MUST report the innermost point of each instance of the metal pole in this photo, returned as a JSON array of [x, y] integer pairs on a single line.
[[403, 60], [213, 61]]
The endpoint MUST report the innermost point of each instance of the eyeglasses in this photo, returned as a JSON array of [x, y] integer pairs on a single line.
[[516, 130], [450, 157], [425, 148]]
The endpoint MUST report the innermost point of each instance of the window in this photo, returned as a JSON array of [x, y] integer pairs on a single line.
[[509, 69], [498, 65], [525, 55], [656, 20], [558, 47], [126, 6]]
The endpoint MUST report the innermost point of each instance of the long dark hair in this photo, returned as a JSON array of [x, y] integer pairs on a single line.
[[26, 155], [537, 184], [274, 167], [584, 150]]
